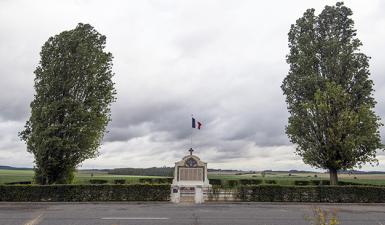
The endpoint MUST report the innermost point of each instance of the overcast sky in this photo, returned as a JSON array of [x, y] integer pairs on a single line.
[[222, 61]]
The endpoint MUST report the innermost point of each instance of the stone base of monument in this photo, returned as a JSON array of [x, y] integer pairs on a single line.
[[190, 184], [189, 194]]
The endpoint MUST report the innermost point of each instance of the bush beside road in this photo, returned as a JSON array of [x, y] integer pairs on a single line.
[[84, 193], [161, 192], [331, 194]]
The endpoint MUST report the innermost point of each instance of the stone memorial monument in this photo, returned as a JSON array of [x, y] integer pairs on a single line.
[[190, 182]]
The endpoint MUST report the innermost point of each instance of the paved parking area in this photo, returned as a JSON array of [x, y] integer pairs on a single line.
[[168, 213]]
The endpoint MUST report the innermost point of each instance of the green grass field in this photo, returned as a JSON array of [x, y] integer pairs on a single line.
[[7, 176], [285, 179], [83, 177]]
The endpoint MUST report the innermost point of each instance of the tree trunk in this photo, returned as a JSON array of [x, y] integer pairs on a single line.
[[333, 177]]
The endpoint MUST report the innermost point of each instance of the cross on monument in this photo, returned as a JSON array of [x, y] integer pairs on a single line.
[[191, 151]]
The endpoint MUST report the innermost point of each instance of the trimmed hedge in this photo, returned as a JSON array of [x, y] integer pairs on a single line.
[[322, 182], [350, 183], [119, 181], [250, 181], [81, 193], [156, 180], [233, 183], [301, 182], [98, 181], [19, 182], [215, 181], [345, 194], [270, 182]]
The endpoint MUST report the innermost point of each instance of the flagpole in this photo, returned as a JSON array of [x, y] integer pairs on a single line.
[[192, 130]]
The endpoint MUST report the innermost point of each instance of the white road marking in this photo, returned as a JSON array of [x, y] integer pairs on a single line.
[[134, 218], [35, 220]]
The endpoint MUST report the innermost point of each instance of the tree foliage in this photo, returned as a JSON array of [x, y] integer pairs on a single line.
[[329, 93], [71, 107]]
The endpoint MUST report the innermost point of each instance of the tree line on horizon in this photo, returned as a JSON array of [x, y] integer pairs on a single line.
[[153, 171]]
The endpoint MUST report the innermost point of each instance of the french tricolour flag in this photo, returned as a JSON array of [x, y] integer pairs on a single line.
[[196, 124]]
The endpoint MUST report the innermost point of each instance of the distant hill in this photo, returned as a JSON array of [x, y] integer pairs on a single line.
[[289, 171], [220, 170], [13, 168], [361, 172]]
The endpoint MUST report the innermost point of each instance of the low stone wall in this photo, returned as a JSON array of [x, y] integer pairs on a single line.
[[81, 193]]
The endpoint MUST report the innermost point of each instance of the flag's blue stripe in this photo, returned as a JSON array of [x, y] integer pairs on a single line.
[[193, 123]]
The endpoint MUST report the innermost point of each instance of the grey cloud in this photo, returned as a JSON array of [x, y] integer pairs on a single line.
[[16, 91], [193, 42], [222, 61]]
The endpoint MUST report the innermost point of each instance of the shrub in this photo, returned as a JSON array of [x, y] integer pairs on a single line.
[[146, 180], [244, 182], [162, 180], [19, 182], [257, 181], [233, 183], [325, 182], [156, 180], [315, 182], [270, 182], [215, 181], [98, 181], [250, 181], [119, 181], [167, 180], [301, 182], [80, 193], [347, 183]]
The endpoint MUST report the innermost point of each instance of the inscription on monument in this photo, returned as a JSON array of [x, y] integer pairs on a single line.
[[190, 174]]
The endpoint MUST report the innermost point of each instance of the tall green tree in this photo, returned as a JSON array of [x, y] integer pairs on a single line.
[[329, 93], [71, 108]]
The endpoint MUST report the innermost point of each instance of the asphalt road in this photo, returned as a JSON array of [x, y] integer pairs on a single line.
[[168, 213]]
